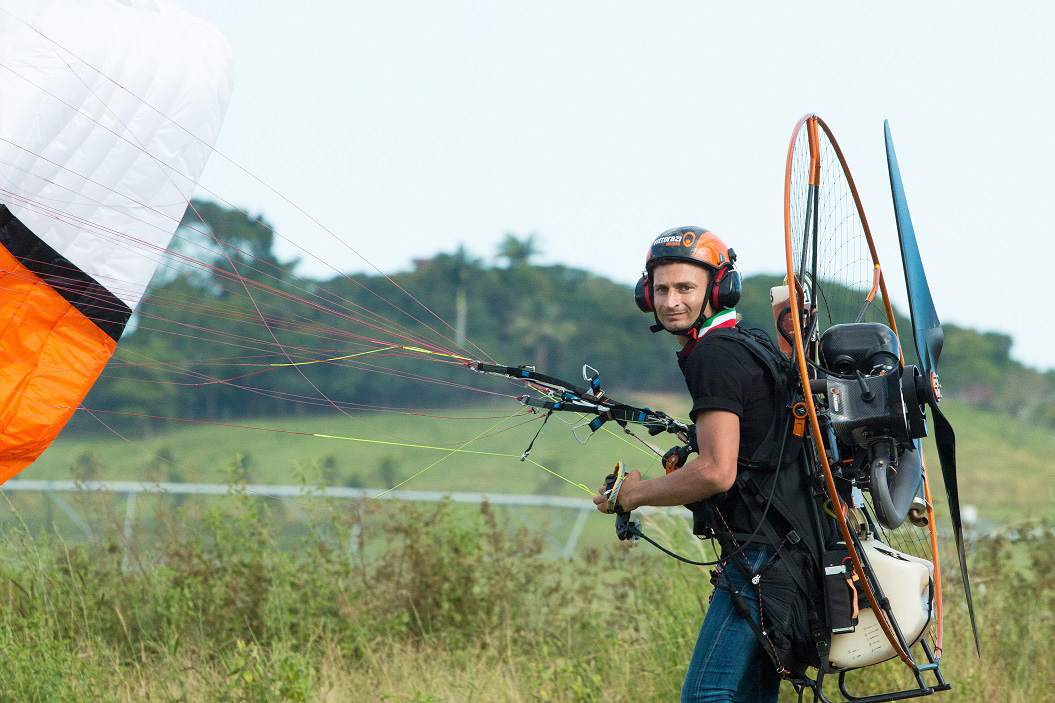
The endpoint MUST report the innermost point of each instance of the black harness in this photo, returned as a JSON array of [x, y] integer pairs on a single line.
[[775, 489]]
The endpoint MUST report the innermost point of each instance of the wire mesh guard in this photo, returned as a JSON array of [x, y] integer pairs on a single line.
[[830, 250]]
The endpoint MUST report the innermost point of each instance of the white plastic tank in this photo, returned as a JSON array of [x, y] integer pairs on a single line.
[[908, 583]]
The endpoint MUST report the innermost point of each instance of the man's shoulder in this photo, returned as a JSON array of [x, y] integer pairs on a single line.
[[737, 342], [720, 355]]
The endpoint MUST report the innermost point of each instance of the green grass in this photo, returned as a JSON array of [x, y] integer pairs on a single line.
[[1006, 467], [451, 606], [205, 453], [199, 452], [230, 599]]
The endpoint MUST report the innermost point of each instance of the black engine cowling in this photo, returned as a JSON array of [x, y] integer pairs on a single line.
[[875, 413], [868, 347], [864, 392]]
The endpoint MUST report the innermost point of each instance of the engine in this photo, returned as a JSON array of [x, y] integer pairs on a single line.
[[874, 412], [866, 391]]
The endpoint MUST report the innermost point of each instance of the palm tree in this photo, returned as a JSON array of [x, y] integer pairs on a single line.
[[539, 327], [518, 251]]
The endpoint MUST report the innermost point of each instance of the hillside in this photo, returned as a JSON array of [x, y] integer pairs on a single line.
[[1005, 466], [202, 348]]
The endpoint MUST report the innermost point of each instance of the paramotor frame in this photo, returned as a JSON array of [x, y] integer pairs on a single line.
[[834, 276]]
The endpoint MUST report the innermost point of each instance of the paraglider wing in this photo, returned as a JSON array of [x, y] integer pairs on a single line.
[[110, 111]]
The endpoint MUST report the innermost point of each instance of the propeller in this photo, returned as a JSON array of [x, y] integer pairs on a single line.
[[926, 328]]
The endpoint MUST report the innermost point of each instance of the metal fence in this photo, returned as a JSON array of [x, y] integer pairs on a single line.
[[577, 509]]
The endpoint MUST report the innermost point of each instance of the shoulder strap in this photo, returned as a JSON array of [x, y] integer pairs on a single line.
[[778, 367]]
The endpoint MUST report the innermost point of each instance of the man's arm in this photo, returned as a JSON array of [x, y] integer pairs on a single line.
[[712, 472]]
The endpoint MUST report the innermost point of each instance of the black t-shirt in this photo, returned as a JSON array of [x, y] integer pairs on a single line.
[[722, 375]]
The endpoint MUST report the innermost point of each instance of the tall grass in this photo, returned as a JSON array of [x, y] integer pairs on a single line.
[[436, 604]]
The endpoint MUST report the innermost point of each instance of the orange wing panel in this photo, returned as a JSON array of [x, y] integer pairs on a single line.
[[50, 355]]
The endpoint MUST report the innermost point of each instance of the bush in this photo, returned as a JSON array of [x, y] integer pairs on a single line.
[[415, 604]]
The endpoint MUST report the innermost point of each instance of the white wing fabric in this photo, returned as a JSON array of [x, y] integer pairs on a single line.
[[108, 113]]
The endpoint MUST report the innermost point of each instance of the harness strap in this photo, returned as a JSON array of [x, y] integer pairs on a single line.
[[744, 611], [771, 536], [767, 530]]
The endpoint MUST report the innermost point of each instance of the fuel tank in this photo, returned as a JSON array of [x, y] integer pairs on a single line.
[[909, 584]]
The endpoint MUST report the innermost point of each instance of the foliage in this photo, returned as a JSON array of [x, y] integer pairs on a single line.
[[176, 361], [518, 252], [976, 367], [435, 604]]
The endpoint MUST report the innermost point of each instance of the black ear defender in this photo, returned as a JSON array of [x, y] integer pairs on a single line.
[[727, 288], [643, 294], [643, 298]]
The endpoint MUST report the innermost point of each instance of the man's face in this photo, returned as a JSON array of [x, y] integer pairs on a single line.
[[679, 293]]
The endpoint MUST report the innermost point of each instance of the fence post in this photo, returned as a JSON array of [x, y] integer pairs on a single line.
[[576, 530], [130, 516], [72, 514]]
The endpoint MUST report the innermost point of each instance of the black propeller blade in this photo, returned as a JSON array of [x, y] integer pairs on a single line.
[[926, 328]]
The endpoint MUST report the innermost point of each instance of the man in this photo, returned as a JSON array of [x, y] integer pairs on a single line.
[[691, 285]]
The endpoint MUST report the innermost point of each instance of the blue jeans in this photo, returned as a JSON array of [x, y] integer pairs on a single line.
[[729, 663]]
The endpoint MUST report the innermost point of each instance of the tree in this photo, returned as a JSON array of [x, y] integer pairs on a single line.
[[540, 326], [138, 382], [518, 252], [202, 351], [457, 270]]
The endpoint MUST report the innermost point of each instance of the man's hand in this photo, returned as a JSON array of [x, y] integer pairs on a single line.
[[626, 493], [712, 472]]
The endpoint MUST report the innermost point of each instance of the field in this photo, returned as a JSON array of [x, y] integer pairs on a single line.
[[221, 602], [1006, 468]]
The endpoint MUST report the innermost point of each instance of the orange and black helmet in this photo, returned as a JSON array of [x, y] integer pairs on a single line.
[[696, 245]]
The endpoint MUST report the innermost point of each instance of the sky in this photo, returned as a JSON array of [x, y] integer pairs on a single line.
[[404, 129]]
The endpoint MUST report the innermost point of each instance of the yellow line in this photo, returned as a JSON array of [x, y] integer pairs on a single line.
[[419, 350], [459, 450], [416, 446], [562, 478], [436, 353], [336, 358], [449, 453], [622, 438]]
